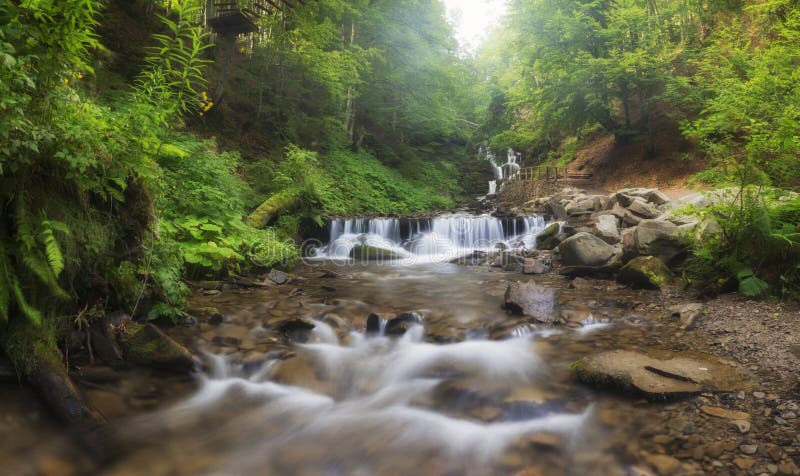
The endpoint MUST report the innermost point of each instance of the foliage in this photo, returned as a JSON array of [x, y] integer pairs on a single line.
[[758, 245]]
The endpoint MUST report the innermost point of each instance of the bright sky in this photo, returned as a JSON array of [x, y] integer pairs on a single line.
[[473, 18]]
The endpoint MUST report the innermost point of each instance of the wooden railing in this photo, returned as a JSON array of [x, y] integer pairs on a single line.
[[532, 182]]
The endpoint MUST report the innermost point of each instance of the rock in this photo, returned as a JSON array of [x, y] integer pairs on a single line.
[[688, 314], [400, 324], [743, 463], [547, 239], [788, 468], [743, 426], [585, 249], [296, 329], [664, 465], [643, 209], [535, 266], [531, 300], [375, 323], [720, 412], [622, 199], [652, 195], [748, 449], [278, 277], [372, 253], [659, 375], [606, 227], [658, 238], [645, 272], [146, 344]]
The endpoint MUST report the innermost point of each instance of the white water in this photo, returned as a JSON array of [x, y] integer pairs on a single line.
[[436, 239], [502, 172], [376, 406]]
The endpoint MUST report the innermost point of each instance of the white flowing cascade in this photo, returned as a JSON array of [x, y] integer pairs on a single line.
[[376, 383], [502, 172], [436, 239]]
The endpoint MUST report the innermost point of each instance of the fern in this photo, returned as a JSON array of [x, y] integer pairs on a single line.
[[52, 249], [33, 314]]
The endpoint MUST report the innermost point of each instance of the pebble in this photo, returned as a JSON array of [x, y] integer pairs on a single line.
[[743, 463], [748, 449], [759, 395], [742, 425]]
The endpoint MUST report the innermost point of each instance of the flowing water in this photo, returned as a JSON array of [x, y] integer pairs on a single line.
[[467, 390]]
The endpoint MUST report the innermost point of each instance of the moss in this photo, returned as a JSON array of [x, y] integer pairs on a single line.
[[25, 344], [645, 272]]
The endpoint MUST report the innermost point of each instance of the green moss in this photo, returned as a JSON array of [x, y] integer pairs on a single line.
[[25, 344]]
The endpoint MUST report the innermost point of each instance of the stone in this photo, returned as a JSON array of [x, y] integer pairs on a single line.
[[748, 449], [374, 324], [658, 238], [720, 412], [664, 465], [645, 272], [400, 324], [652, 195], [606, 227], [372, 253], [657, 375], [585, 249], [788, 468], [548, 239], [530, 299], [743, 426], [536, 266], [743, 463], [146, 344], [643, 209], [688, 314], [278, 277]]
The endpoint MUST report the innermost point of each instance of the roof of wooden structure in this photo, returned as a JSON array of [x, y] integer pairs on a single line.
[[232, 17]]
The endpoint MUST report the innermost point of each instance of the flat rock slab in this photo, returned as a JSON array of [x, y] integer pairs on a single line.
[[659, 374], [532, 300]]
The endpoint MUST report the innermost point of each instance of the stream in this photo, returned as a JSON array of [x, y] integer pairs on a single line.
[[299, 379]]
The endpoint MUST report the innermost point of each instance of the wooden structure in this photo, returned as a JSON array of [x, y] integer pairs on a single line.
[[532, 182], [238, 17]]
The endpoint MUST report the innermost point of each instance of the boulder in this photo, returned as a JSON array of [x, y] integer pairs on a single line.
[[372, 253], [586, 204], [659, 374], [585, 249], [652, 195], [645, 272], [643, 209], [146, 344], [658, 238], [547, 239], [606, 227], [530, 299], [375, 324]]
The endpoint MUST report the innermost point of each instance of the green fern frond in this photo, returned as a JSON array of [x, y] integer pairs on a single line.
[[33, 314], [41, 268], [52, 249]]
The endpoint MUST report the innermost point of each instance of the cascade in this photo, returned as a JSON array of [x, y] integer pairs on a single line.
[[435, 239]]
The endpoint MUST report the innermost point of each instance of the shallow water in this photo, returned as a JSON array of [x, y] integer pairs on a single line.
[[472, 390]]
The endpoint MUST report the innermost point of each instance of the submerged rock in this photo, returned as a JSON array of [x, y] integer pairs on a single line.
[[531, 300], [670, 375], [646, 272]]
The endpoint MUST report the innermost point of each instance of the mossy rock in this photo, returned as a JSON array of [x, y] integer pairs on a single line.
[[645, 272], [547, 239], [372, 253], [146, 344]]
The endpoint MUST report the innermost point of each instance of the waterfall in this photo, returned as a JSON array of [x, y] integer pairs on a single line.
[[440, 238], [504, 171]]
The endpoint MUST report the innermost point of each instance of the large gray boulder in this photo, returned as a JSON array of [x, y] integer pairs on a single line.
[[585, 249], [652, 195], [606, 227], [658, 238], [530, 299], [643, 209]]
